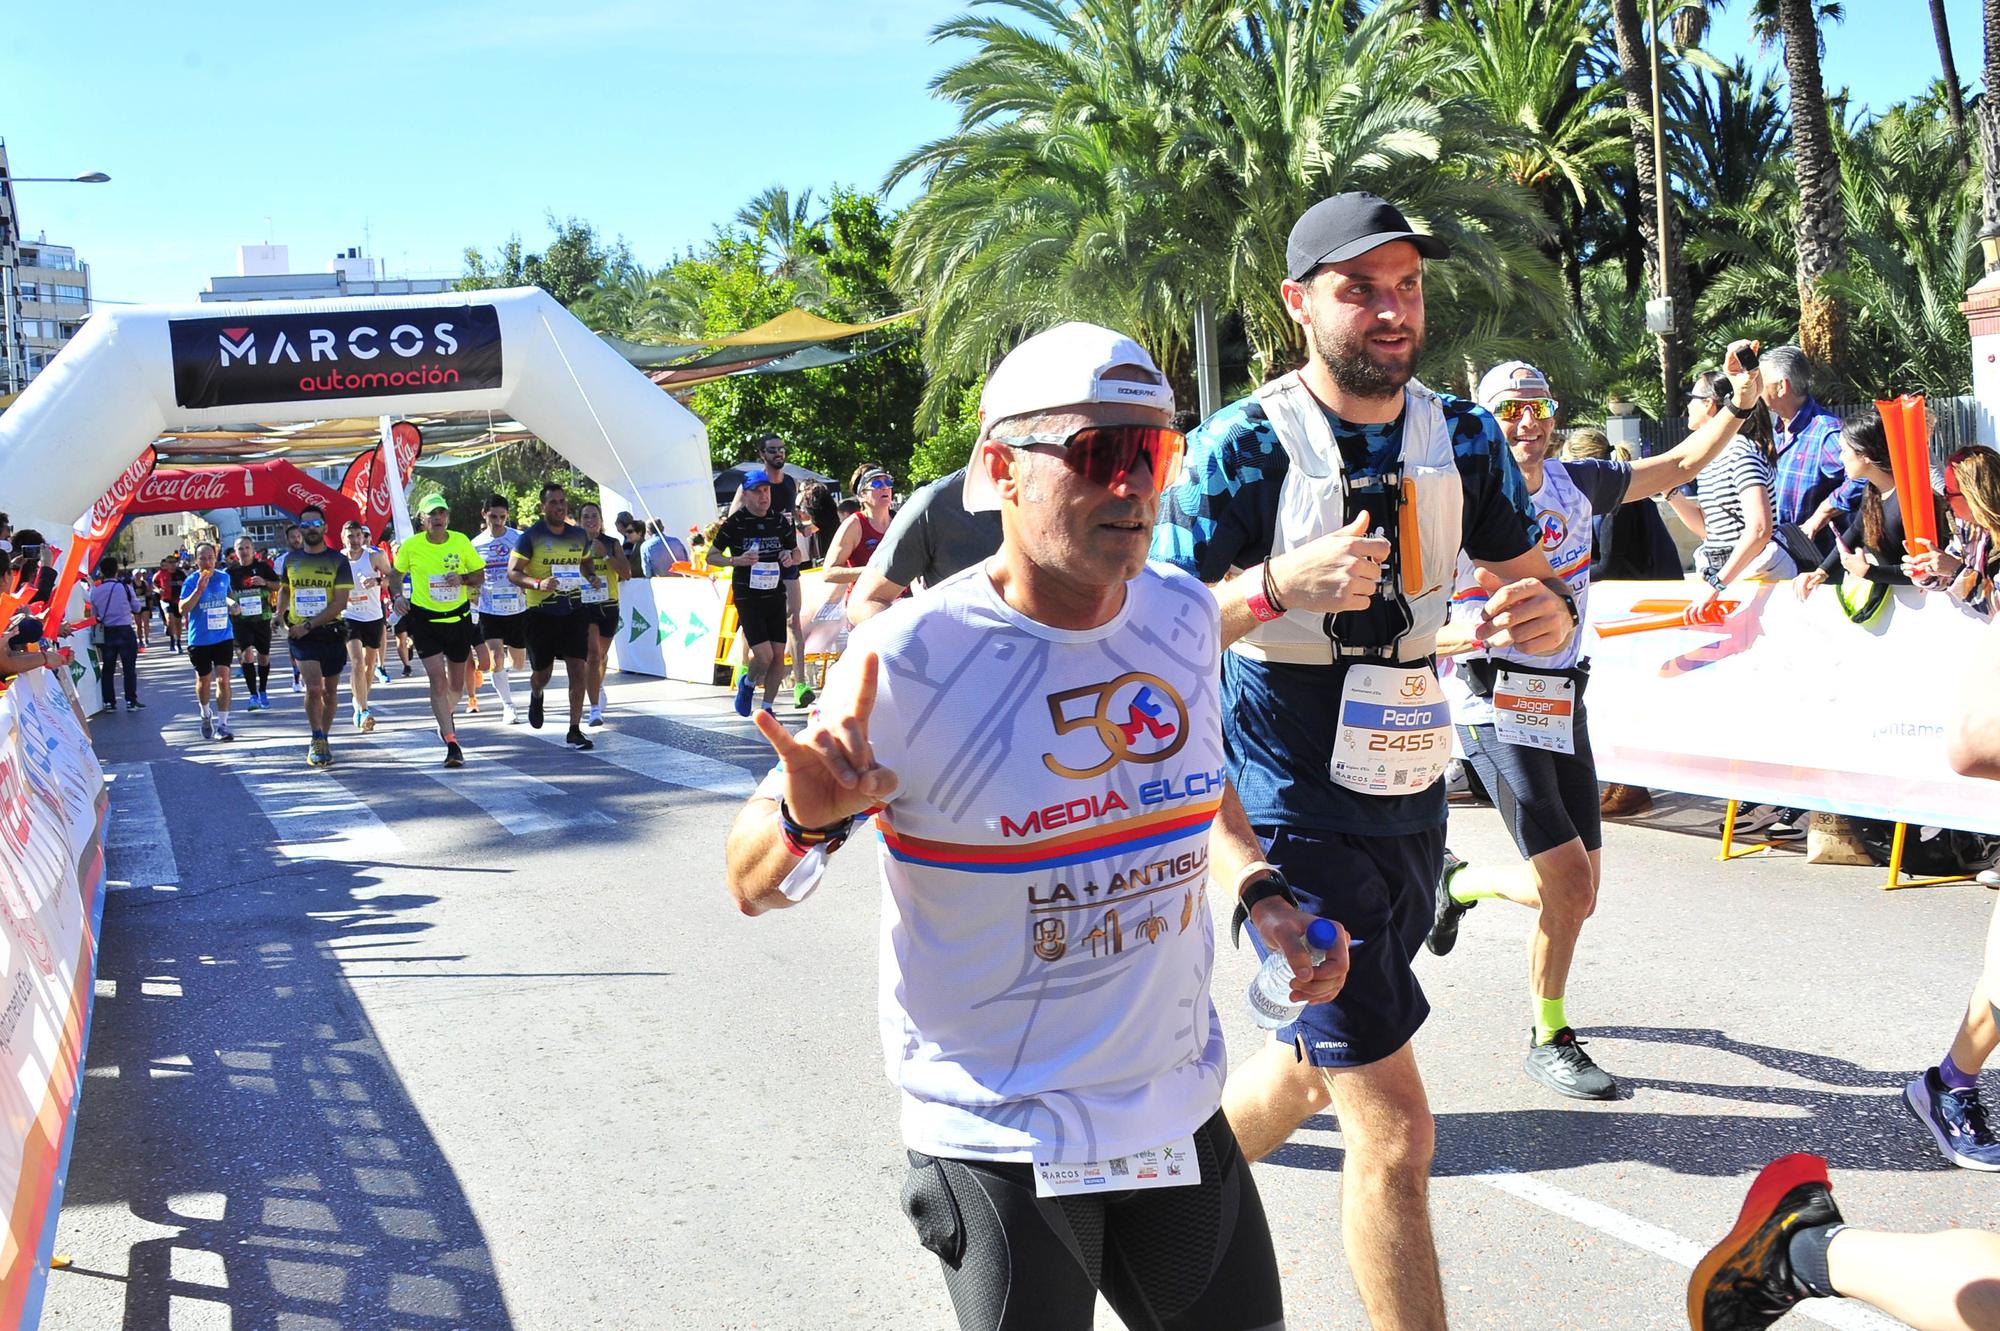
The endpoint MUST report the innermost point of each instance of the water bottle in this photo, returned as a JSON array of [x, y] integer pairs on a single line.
[[1271, 1004]]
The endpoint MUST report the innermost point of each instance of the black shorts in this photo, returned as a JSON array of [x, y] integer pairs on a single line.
[[328, 651], [1548, 799], [553, 638], [253, 634], [432, 634], [1193, 1258], [205, 659], [509, 629], [761, 617], [1384, 891], [605, 617], [367, 632]]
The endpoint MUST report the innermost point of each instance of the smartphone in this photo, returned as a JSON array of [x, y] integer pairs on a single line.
[[1747, 358]]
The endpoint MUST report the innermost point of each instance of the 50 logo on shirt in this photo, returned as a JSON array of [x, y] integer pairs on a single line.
[[1135, 718]]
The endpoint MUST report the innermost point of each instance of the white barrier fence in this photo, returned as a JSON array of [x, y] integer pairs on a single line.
[[52, 803], [1789, 703]]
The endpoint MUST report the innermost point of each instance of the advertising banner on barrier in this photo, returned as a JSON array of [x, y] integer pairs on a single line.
[[52, 804], [669, 626], [1787, 703], [368, 353]]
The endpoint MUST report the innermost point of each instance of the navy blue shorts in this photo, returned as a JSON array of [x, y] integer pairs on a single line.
[[330, 654], [1383, 890]]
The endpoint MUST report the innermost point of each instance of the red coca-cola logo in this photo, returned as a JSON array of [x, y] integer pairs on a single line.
[[186, 489], [104, 514]]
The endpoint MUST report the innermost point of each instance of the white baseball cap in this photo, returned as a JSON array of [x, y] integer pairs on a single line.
[[1063, 367], [1511, 379]]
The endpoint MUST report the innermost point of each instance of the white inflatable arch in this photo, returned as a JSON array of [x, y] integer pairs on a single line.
[[131, 373]]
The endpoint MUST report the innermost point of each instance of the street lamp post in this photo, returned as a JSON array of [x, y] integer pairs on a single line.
[[9, 348]]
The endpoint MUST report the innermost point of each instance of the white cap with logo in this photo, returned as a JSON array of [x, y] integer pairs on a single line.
[[1513, 378], [1066, 366]]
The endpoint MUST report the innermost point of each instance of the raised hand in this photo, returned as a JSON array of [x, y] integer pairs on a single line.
[[830, 768], [1337, 572], [1528, 615]]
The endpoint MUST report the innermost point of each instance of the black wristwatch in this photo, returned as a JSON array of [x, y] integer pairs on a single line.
[[1265, 885], [1740, 413], [1715, 580]]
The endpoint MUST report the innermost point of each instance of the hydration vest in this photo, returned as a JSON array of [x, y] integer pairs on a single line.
[[1314, 501]]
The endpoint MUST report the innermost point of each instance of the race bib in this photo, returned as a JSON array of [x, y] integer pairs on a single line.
[[1535, 711], [443, 591], [594, 594], [215, 618], [250, 603], [1395, 730], [569, 578], [764, 576], [308, 601], [508, 600], [1171, 1166]]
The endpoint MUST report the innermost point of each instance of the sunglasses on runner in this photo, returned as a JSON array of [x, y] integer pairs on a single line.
[[879, 483], [313, 523], [1541, 408], [1106, 454]]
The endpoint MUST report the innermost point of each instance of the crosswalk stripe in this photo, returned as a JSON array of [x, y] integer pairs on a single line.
[[138, 851], [521, 803], [663, 762], [314, 815], [717, 715]]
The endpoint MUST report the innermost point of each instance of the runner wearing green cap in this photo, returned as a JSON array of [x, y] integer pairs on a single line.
[[445, 573]]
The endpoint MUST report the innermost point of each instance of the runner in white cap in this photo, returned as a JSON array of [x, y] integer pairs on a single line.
[[1042, 736], [1521, 717]]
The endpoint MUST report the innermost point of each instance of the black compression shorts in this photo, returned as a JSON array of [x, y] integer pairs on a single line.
[[432, 634], [1548, 799], [605, 617], [367, 632], [553, 638], [1194, 1258], [509, 629], [761, 618], [253, 634], [207, 658]]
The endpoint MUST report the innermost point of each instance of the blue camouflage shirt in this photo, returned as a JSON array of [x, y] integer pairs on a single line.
[[1280, 720]]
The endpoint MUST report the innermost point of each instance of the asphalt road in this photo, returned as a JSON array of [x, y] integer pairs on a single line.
[[391, 1047]]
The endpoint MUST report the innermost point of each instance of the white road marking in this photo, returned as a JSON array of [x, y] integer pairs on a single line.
[[314, 816], [662, 762], [718, 714], [1660, 1242], [138, 848], [521, 803]]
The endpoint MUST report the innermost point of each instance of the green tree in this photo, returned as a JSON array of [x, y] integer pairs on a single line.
[[572, 266], [786, 234]]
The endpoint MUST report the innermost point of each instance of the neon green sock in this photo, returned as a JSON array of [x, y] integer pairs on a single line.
[[1549, 1018], [1464, 888]]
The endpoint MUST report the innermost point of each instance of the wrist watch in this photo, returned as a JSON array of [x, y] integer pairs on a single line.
[[1740, 413], [1714, 580], [1270, 883]]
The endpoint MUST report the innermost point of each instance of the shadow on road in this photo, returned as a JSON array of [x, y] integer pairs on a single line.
[[237, 1095], [1859, 1122]]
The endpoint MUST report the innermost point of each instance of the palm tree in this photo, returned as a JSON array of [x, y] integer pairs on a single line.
[[1525, 60], [1821, 222], [782, 228], [1955, 104], [1988, 107], [1637, 77]]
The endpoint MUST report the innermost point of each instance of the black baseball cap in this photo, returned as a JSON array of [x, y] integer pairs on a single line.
[[1337, 229]]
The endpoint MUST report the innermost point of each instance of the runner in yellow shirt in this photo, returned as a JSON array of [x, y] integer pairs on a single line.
[[445, 573]]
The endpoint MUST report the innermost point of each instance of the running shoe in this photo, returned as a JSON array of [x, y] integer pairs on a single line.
[[805, 695], [222, 730], [577, 739], [1563, 1067], [535, 708], [256, 703], [318, 754], [207, 727], [367, 722], [1986, 878], [406, 670], [452, 756], [326, 753], [1790, 825], [1957, 1121], [1746, 1281], [1752, 818], [471, 704], [596, 715], [1444, 923], [746, 693], [298, 684], [381, 675], [507, 713], [1457, 786], [135, 706]]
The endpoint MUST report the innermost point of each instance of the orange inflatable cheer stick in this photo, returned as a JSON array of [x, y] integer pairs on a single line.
[[1687, 618], [1919, 510]]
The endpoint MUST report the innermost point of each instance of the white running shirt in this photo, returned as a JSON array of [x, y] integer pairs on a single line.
[[1046, 939], [497, 596], [364, 606]]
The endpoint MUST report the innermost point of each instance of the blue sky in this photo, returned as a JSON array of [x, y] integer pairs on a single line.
[[421, 127]]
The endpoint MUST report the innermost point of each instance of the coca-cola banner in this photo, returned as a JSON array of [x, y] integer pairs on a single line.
[[306, 357], [102, 521], [277, 483], [366, 481]]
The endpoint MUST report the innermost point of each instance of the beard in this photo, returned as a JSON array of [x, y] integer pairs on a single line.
[[1357, 370]]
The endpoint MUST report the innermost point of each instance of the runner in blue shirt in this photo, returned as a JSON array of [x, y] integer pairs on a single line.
[[205, 601]]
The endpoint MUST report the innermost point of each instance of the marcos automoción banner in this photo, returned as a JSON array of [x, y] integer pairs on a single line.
[[241, 359]]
